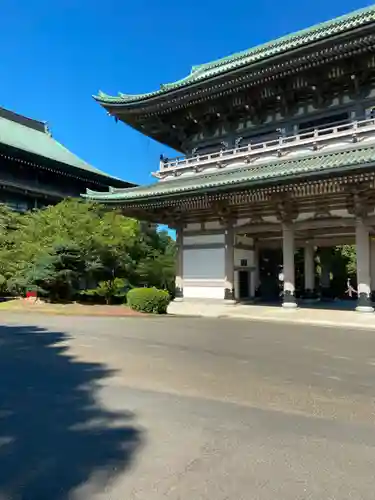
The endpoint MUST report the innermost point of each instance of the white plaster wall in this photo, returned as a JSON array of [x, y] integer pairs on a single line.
[[193, 226], [240, 253], [372, 261], [213, 224], [305, 216], [246, 240], [271, 219], [204, 239], [204, 264], [242, 221], [204, 292]]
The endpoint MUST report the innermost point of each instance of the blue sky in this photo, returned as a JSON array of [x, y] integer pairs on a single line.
[[56, 54]]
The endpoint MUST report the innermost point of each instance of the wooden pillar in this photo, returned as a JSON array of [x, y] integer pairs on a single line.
[[254, 275], [372, 264], [325, 254], [229, 261], [179, 292], [289, 299], [362, 242], [309, 270]]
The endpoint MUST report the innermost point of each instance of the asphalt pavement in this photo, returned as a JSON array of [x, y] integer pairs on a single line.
[[184, 408]]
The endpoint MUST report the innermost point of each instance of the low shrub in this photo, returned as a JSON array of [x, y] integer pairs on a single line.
[[148, 300]]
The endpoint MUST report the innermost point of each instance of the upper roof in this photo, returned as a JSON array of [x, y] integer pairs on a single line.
[[317, 33], [243, 176], [33, 137]]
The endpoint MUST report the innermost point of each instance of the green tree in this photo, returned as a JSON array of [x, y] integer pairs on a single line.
[[57, 273], [9, 224], [157, 262], [77, 244], [110, 290]]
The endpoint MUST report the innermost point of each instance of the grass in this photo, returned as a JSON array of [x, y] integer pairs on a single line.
[[72, 309]]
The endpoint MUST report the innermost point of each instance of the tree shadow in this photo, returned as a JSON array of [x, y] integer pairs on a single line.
[[54, 436]]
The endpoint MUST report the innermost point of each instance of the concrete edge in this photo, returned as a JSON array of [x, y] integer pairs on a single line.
[[300, 321]]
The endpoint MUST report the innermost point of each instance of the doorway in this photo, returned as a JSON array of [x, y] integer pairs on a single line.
[[243, 284], [270, 264]]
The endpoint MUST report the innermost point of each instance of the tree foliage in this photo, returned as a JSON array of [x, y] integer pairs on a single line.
[[64, 250]]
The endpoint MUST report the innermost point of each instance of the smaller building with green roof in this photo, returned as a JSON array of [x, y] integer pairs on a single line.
[[36, 170]]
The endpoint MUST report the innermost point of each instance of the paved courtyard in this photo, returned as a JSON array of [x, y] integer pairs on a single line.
[[184, 408]]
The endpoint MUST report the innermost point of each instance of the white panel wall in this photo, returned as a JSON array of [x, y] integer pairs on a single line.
[[207, 264], [204, 273], [202, 292]]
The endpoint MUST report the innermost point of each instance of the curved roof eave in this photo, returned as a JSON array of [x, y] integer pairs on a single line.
[[253, 55], [352, 157]]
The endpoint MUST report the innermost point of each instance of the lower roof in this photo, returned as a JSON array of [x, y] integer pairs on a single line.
[[21, 133], [243, 176]]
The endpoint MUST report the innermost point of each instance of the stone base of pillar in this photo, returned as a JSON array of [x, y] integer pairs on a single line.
[[179, 294], [229, 295], [289, 305], [289, 301], [364, 303]]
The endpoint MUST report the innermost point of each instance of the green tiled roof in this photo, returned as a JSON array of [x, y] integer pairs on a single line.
[[244, 176], [254, 55], [37, 142]]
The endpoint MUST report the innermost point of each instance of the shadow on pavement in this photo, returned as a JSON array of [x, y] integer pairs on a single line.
[[54, 436]]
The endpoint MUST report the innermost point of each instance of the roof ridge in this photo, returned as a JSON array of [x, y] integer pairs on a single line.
[[276, 47], [25, 121], [18, 135], [289, 36]]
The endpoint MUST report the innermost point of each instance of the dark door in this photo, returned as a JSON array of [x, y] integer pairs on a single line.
[[243, 279], [270, 261]]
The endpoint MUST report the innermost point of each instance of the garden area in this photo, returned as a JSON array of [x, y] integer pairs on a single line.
[[80, 253]]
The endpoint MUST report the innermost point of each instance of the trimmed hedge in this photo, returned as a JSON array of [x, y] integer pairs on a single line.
[[148, 300]]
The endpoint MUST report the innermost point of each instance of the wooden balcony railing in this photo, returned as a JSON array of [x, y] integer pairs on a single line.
[[351, 131]]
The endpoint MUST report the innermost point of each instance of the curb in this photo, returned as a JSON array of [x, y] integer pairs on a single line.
[[301, 321], [290, 320]]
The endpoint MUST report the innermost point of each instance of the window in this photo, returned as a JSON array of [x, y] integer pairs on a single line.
[[243, 262]]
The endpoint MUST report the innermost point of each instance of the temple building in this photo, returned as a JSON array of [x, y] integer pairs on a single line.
[[36, 170], [277, 151]]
